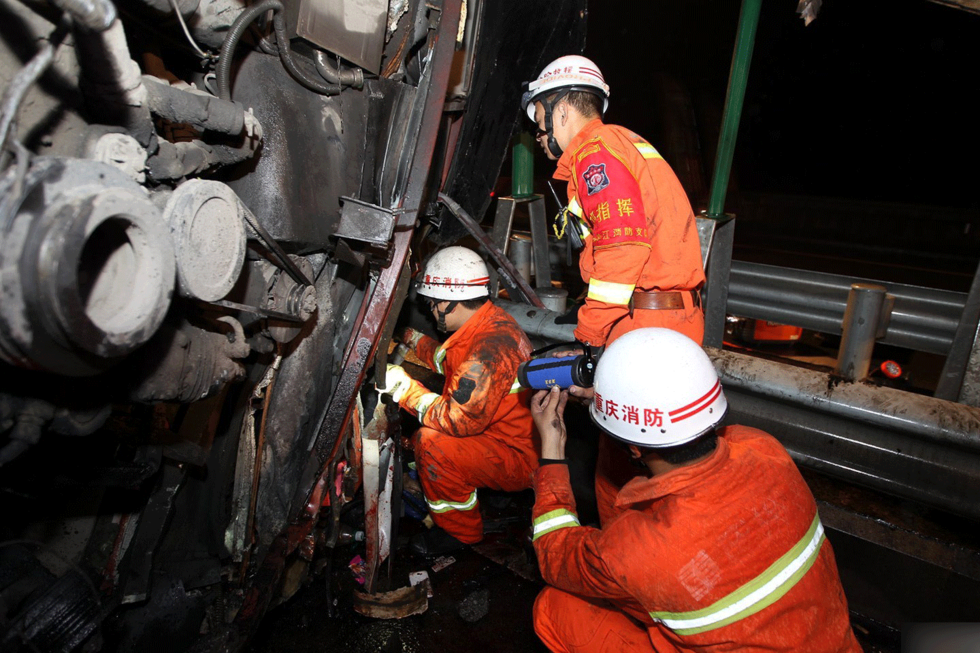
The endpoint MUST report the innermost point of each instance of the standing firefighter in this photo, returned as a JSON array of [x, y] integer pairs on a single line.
[[478, 432], [642, 257], [719, 546]]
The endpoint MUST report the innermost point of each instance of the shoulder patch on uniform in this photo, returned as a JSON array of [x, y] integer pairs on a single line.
[[595, 178]]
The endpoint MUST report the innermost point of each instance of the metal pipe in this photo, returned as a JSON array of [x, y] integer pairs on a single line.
[[860, 330], [538, 321], [522, 175], [111, 80], [554, 299], [196, 108], [353, 77], [96, 15], [519, 253], [744, 42]]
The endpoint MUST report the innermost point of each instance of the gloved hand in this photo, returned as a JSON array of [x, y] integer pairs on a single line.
[[396, 383], [411, 337]]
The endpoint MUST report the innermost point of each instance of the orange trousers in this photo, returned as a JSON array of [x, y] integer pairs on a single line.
[[451, 469], [613, 467], [568, 623]]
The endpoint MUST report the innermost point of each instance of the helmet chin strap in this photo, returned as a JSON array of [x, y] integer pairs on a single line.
[[549, 125], [441, 315]]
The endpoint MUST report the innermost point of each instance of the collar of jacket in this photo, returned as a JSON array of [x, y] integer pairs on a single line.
[[644, 488], [587, 133], [465, 332]]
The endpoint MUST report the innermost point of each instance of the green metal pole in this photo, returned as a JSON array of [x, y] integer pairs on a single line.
[[522, 176], [744, 42]]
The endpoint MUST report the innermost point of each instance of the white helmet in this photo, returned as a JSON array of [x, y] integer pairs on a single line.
[[568, 73], [656, 388], [455, 274]]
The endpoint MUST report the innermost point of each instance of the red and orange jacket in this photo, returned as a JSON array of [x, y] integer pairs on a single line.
[[481, 396], [643, 235], [724, 554]]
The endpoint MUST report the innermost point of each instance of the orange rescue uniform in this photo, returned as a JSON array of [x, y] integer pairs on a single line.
[[643, 238], [478, 432], [643, 235], [725, 554]]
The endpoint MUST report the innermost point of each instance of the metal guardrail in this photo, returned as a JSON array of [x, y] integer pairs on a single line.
[[923, 319]]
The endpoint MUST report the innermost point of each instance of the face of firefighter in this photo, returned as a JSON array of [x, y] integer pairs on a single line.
[[454, 318], [560, 127]]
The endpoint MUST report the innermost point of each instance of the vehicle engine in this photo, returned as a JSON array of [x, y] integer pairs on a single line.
[[210, 212]]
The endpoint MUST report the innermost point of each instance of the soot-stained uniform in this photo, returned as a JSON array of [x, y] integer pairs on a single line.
[[478, 432]]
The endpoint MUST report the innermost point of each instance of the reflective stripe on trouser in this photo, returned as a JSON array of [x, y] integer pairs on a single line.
[[443, 506], [451, 469], [569, 623], [757, 594], [610, 292]]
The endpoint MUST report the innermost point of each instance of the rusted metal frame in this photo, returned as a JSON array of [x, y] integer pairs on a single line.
[[506, 266], [365, 337]]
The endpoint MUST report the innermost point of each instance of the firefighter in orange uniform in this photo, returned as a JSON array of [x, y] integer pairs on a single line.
[[642, 257], [719, 546], [478, 432]]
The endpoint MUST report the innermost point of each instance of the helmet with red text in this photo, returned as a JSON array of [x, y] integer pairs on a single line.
[[656, 388]]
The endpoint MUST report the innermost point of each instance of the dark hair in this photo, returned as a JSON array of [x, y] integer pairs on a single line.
[[474, 303], [588, 104], [685, 453]]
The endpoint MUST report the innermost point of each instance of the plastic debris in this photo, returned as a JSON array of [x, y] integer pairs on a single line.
[[416, 577], [358, 567], [441, 563]]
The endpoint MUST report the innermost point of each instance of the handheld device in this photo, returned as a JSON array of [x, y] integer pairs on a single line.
[[543, 373]]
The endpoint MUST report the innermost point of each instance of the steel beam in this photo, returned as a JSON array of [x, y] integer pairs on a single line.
[[905, 444]]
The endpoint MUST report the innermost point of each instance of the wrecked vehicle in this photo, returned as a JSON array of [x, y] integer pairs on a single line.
[[208, 213]]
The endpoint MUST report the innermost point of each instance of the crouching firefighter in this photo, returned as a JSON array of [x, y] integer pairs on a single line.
[[718, 546], [478, 432]]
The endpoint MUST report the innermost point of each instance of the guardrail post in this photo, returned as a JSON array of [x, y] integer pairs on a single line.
[[860, 330]]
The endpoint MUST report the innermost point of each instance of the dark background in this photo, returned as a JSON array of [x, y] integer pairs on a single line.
[[872, 100]]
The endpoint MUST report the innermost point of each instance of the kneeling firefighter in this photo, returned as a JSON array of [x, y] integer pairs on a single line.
[[478, 433], [717, 546]]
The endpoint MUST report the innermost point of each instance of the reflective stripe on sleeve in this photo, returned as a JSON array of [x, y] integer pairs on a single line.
[[515, 388], [446, 506], [552, 521], [575, 208], [755, 595], [647, 151], [425, 402], [438, 358], [609, 292]]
